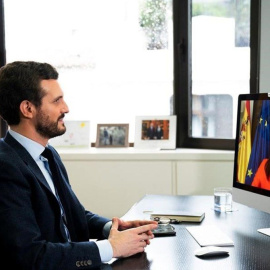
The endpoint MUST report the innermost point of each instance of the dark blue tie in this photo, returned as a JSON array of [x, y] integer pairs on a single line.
[[55, 175]]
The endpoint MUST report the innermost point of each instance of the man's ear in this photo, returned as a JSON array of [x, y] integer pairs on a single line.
[[27, 109]]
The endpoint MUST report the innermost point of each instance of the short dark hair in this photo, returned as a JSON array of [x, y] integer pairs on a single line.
[[21, 81]]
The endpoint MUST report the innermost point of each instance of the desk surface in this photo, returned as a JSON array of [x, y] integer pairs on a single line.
[[251, 249]]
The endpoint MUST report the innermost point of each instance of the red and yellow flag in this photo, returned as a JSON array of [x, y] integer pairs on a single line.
[[244, 145]]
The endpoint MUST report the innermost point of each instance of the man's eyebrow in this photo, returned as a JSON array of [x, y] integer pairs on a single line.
[[58, 97]]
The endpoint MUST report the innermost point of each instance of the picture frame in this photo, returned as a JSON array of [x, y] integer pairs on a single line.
[[155, 132], [77, 135], [112, 135]]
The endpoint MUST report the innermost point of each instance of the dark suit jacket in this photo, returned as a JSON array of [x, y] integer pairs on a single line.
[[31, 230], [151, 133]]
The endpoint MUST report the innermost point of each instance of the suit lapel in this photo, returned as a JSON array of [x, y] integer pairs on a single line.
[[23, 154]]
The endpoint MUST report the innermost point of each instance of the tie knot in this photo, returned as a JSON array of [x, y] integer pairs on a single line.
[[47, 153]]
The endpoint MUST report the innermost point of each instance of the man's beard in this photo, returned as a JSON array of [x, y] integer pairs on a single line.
[[47, 128]]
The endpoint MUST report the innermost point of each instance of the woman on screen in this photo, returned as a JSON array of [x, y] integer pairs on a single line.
[[262, 176]]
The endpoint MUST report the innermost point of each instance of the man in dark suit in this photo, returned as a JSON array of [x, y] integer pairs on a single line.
[[42, 223], [151, 131], [159, 133]]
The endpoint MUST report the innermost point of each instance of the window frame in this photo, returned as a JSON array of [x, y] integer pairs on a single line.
[[182, 74], [3, 126]]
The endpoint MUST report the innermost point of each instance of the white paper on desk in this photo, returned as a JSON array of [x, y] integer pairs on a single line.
[[210, 236], [265, 231]]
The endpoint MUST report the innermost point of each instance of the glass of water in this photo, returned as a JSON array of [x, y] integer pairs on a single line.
[[223, 199]]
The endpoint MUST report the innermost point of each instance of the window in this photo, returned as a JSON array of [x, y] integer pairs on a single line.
[[115, 58], [215, 44], [121, 59]]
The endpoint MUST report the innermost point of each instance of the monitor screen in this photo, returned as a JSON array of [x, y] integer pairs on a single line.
[[251, 178]]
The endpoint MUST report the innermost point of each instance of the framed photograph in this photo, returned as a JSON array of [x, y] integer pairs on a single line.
[[77, 135], [157, 132], [112, 135]]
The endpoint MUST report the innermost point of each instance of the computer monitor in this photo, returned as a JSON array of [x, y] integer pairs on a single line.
[[251, 185]]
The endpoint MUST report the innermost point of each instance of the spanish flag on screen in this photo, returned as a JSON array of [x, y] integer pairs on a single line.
[[244, 146]]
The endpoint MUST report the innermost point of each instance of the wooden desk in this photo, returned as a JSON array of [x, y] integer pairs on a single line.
[[251, 249]]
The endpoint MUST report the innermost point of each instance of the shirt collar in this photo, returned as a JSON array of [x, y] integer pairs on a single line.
[[34, 148]]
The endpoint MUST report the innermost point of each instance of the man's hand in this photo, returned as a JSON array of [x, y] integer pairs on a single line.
[[124, 225], [133, 239]]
